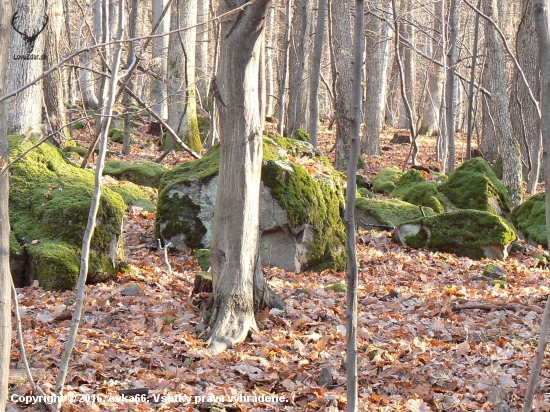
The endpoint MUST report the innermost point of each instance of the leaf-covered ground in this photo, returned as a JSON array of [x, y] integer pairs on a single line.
[[433, 333]]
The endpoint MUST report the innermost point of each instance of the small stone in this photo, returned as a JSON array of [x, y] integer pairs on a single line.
[[325, 379], [494, 272], [200, 328], [133, 289]]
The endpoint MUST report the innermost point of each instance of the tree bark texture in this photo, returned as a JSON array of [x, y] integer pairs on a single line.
[[202, 73], [24, 113], [297, 85], [450, 83], [343, 73], [409, 66], [509, 148], [523, 113], [235, 237], [5, 274], [374, 75], [54, 95], [182, 102], [159, 94], [316, 57]]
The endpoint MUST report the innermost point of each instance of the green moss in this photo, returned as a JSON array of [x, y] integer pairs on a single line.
[[193, 137], [132, 194], [361, 163], [79, 126], [142, 173], [462, 232], [362, 182], [426, 194], [15, 247], [386, 179], [337, 287], [204, 126], [117, 135], [391, 212], [49, 203], [299, 134], [203, 257], [75, 149], [474, 186], [530, 218], [54, 264], [314, 201], [365, 193], [406, 181]]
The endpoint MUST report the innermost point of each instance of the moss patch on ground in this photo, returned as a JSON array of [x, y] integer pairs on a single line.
[[463, 232], [474, 185], [386, 179], [49, 204], [141, 173], [202, 256], [390, 212], [530, 218]]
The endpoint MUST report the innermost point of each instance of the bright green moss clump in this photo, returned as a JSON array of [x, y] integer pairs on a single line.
[[133, 195], [475, 186], [390, 212], [49, 203], [406, 181], [426, 194], [141, 173], [386, 179], [202, 256], [530, 218]]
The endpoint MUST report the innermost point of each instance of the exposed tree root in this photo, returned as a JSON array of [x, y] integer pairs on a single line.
[[233, 318]]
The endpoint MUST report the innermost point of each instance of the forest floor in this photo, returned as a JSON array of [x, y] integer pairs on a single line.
[[422, 344]]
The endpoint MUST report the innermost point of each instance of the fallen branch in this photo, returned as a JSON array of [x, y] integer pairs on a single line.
[[19, 376], [487, 307]]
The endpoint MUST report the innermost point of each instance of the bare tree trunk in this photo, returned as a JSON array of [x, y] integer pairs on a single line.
[[284, 74], [24, 114], [202, 63], [159, 93], [343, 64], [374, 78], [450, 84], [5, 274], [182, 103], [92, 215], [129, 62], [54, 95], [297, 64], [351, 313], [269, 56], [318, 41], [511, 173], [472, 94], [430, 115], [235, 237], [523, 113], [542, 24]]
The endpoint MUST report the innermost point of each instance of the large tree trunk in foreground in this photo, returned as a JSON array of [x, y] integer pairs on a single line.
[[5, 276], [24, 113], [235, 237], [509, 148]]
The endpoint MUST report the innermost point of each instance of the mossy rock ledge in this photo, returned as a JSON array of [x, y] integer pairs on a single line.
[[49, 203], [530, 219], [300, 214], [472, 233], [386, 213], [141, 173]]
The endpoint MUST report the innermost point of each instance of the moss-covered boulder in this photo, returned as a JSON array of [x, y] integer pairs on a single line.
[[49, 204], [530, 220], [141, 173], [471, 233], [386, 179], [300, 213], [474, 185], [133, 195], [427, 194], [407, 181], [386, 213]]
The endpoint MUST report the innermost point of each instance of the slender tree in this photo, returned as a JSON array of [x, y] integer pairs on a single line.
[[235, 237], [202, 61], [182, 101], [351, 314], [5, 275], [450, 82], [159, 93]]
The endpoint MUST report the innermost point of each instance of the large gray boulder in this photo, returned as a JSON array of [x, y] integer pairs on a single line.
[[300, 210]]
